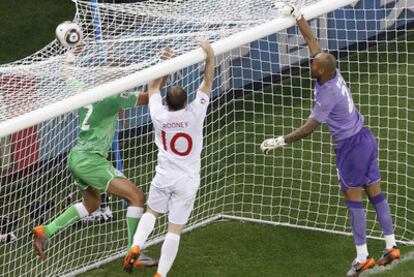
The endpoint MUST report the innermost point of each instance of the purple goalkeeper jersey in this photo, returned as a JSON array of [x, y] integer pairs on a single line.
[[334, 105]]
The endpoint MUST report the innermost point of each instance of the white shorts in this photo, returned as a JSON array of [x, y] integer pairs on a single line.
[[177, 200]]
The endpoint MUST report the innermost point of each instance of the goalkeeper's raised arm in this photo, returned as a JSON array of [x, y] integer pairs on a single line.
[[310, 39], [292, 10]]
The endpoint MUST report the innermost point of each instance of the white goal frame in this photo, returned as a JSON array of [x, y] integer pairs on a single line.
[[165, 68]]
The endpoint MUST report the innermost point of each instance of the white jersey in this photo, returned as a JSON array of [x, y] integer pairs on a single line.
[[179, 138]]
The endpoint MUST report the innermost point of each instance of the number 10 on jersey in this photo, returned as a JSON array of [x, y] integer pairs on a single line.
[[171, 146]]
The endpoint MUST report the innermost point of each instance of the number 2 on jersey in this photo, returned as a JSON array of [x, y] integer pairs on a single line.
[[85, 126], [173, 141]]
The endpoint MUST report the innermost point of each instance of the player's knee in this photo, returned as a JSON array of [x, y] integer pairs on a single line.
[[136, 197], [175, 228], [154, 213], [141, 197], [373, 189], [92, 205]]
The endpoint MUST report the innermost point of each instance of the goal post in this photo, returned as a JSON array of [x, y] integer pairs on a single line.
[[262, 89], [142, 77]]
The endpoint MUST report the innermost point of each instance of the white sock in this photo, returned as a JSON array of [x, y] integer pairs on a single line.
[[83, 212], [169, 251], [390, 241], [362, 253], [134, 212], [144, 229]]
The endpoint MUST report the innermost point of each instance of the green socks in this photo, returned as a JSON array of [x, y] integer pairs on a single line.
[[133, 216], [68, 217], [78, 211]]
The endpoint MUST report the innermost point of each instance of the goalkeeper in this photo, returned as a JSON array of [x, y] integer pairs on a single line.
[[356, 147], [88, 163]]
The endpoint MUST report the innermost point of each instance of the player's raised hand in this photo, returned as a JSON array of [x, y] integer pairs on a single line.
[[205, 45], [272, 143], [73, 52], [70, 60], [207, 83], [167, 53], [288, 10], [77, 49]]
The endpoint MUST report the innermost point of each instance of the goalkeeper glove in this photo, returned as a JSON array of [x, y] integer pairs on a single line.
[[288, 10], [272, 143]]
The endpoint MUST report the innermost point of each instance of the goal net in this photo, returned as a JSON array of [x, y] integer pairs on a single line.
[[262, 89]]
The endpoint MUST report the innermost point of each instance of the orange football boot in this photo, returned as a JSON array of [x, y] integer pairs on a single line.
[[357, 268], [389, 256], [131, 258], [40, 241]]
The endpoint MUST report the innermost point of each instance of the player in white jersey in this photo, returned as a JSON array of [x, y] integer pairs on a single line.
[[178, 130]]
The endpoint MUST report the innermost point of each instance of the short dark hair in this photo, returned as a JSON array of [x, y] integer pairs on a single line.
[[176, 98]]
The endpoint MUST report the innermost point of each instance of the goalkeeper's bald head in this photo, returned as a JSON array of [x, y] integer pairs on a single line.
[[323, 66]]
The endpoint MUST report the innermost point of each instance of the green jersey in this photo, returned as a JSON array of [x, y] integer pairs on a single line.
[[98, 121]]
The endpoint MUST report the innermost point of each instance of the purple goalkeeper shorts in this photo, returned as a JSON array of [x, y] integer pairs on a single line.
[[357, 160]]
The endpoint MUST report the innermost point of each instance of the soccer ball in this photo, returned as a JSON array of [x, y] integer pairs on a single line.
[[68, 34]]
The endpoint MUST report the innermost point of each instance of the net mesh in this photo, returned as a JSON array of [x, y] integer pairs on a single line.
[[131, 35], [261, 90]]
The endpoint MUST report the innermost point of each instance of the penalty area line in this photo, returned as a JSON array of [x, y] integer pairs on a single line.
[[378, 269]]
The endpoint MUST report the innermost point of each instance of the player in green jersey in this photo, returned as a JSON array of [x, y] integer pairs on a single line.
[[87, 161]]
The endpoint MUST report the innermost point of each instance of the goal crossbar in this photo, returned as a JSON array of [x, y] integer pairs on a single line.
[[164, 68]]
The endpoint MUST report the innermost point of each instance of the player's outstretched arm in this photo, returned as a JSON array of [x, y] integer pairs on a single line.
[[292, 10], [156, 85], [74, 52], [310, 39], [308, 128], [207, 84], [143, 98], [305, 130], [70, 60]]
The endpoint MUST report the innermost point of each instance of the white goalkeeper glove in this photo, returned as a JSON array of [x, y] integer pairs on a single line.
[[288, 10], [272, 143]]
